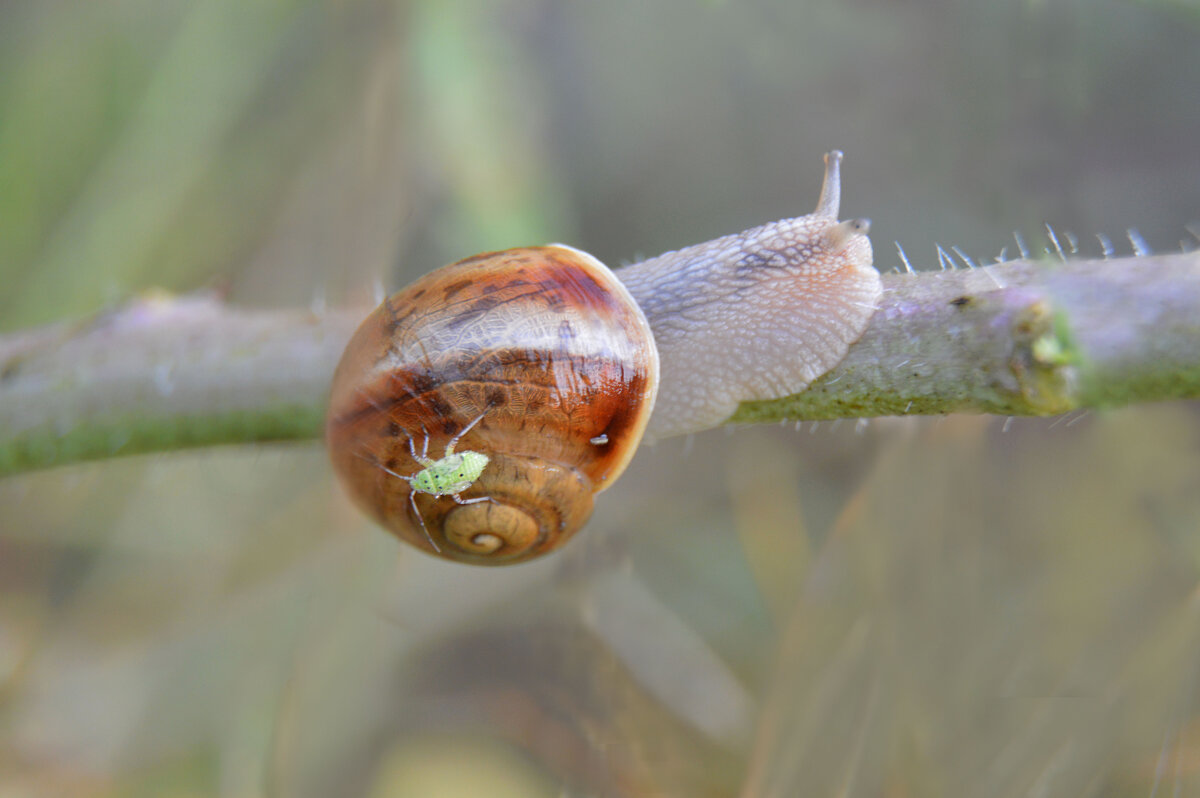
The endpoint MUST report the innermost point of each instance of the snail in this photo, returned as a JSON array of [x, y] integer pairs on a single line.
[[536, 372]]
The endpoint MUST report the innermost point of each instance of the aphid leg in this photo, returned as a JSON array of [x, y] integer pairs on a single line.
[[423, 457], [454, 441], [458, 500], [412, 499]]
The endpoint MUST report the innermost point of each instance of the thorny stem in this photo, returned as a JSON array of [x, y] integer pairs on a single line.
[[1017, 338]]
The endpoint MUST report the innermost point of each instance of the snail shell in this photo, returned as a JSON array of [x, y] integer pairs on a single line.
[[546, 348]]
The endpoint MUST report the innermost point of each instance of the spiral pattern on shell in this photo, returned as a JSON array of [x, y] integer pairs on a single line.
[[545, 347]]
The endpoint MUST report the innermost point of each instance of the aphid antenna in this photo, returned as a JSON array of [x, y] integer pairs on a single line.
[[375, 462]]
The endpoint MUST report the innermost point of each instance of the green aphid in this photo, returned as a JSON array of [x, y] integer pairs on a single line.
[[449, 475]]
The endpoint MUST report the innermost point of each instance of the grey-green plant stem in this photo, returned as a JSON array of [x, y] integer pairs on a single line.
[[1017, 339], [165, 373]]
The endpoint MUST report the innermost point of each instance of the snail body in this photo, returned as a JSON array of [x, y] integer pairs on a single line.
[[547, 364]]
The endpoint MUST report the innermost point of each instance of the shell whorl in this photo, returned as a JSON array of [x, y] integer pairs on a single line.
[[535, 507]]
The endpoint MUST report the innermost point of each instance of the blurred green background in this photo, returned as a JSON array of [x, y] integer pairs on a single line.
[[940, 607]]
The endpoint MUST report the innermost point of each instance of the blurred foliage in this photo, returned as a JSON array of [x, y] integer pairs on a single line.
[[958, 607]]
